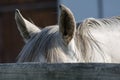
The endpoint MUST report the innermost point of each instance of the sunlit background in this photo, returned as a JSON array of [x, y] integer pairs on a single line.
[[93, 8], [44, 13]]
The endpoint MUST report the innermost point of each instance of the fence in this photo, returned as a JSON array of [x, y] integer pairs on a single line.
[[68, 71]]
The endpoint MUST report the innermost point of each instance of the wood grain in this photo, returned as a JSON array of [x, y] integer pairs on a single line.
[[81, 71]]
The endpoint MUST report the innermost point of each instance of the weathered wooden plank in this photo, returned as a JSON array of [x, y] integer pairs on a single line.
[[36, 71]]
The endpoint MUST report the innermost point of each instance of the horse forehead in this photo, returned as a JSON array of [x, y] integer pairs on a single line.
[[47, 32], [50, 29]]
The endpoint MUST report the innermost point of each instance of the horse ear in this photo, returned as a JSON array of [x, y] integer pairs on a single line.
[[26, 28], [67, 24]]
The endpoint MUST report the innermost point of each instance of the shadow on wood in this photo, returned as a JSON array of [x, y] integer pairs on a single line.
[[81, 71]]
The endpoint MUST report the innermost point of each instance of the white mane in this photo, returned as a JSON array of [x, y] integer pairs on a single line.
[[95, 34]]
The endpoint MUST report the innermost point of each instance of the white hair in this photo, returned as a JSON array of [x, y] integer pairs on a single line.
[[94, 40]]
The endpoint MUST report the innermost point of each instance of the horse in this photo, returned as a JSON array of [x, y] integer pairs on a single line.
[[92, 41]]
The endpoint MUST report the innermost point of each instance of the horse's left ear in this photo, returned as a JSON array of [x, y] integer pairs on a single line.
[[26, 28], [67, 24]]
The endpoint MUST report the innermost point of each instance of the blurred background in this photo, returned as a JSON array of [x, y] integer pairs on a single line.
[[44, 13]]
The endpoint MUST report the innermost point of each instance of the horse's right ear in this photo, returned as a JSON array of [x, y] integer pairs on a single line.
[[67, 24], [26, 28]]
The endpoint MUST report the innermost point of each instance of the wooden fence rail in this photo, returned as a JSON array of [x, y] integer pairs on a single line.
[[68, 71]]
